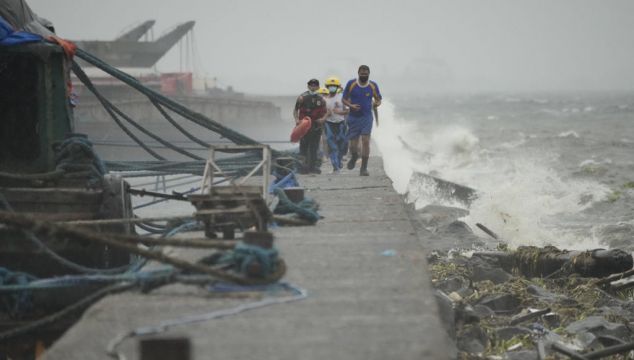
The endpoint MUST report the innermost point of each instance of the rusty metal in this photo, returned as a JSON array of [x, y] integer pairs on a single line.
[[143, 192]]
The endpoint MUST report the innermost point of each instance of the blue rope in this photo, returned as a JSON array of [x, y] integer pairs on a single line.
[[20, 302], [67, 281], [143, 278], [305, 209], [290, 180], [245, 255]]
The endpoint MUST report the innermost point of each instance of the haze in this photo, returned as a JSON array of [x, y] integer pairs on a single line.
[[413, 47]]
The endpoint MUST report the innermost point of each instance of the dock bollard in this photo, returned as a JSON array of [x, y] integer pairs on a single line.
[[165, 349]]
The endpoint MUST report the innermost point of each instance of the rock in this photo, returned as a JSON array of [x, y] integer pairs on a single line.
[[553, 320], [597, 325], [608, 340], [438, 216], [446, 312], [483, 311], [456, 235], [452, 283], [455, 297], [465, 292], [501, 303], [472, 339], [510, 332], [587, 340], [458, 228], [623, 310], [521, 355], [553, 337], [487, 269], [434, 257], [465, 314], [541, 293]]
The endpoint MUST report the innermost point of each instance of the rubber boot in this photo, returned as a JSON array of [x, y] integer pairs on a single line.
[[364, 167], [353, 161]]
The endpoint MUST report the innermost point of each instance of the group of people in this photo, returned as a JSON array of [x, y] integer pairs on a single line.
[[343, 116]]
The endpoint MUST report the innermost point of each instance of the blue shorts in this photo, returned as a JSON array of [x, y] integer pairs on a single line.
[[358, 126]]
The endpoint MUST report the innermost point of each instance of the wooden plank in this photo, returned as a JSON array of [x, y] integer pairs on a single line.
[[51, 195], [236, 210]]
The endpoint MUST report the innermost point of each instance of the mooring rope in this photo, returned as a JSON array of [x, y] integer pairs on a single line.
[[111, 350]]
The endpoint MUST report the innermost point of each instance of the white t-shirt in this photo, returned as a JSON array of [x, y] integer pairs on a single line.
[[335, 102]]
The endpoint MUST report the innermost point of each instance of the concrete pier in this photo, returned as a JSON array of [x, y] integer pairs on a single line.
[[363, 266]]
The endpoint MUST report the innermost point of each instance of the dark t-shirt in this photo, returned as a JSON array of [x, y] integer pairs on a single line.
[[312, 105]]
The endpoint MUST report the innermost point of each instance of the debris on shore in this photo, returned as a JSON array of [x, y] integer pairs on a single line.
[[536, 303]]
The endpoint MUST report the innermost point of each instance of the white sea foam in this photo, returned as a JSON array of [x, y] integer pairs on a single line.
[[593, 162], [508, 145], [519, 197], [569, 134]]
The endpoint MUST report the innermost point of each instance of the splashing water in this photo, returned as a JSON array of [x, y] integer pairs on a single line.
[[520, 197]]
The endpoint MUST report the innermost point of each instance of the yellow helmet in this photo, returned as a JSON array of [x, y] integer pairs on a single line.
[[323, 91], [333, 81]]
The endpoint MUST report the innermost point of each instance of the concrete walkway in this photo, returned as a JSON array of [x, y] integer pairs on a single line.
[[361, 304]]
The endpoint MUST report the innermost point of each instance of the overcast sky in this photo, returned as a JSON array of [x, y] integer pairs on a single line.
[[416, 46]]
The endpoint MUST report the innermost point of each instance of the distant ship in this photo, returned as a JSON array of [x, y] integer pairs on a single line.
[[127, 51], [252, 116]]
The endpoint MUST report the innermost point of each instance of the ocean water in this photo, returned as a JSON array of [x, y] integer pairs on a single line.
[[549, 169]]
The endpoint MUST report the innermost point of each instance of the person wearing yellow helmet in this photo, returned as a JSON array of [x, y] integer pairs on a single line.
[[323, 147], [333, 81], [335, 127]]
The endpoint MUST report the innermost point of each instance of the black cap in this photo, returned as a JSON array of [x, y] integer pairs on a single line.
[[313, 82]]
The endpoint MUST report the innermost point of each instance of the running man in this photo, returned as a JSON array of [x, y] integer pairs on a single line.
[[310, 103], [335, 128], [360, 95]]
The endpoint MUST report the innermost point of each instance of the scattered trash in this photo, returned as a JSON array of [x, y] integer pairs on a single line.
[[536, 303]]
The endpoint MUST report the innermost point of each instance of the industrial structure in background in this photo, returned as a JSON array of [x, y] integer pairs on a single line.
[[137, 53]]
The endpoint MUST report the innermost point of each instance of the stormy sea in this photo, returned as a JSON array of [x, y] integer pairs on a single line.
[[552, 169]]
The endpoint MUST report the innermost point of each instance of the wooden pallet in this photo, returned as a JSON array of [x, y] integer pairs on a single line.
[[228, 208]]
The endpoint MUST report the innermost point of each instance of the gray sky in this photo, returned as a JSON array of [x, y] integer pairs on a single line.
[[412, 46]]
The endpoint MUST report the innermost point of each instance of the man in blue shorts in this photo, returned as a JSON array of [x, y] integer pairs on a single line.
[[360, 95]]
